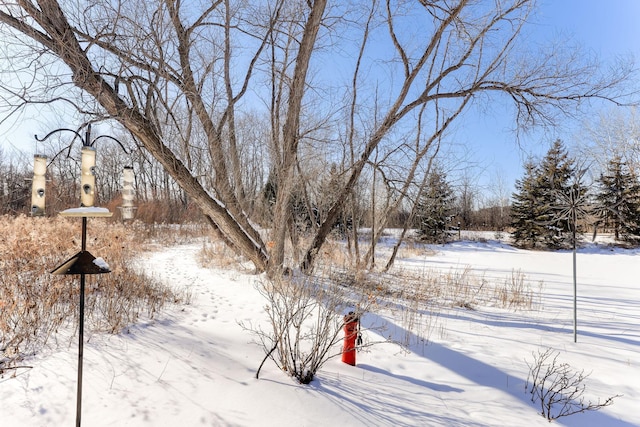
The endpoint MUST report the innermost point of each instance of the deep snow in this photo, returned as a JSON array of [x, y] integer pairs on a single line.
[[196, 365]]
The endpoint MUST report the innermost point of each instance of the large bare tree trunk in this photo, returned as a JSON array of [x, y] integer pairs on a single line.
[[291, 134]]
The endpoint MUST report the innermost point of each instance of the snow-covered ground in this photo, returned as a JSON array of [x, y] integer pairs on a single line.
[[195, 366]]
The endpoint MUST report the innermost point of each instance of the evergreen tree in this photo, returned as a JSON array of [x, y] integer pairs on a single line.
[[554, 185], [618, 200], [540, 204], [525, 209], [435, 209]]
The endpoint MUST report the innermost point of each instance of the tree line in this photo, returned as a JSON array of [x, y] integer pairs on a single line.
[[162, 201], [553, 201], [538, 216]]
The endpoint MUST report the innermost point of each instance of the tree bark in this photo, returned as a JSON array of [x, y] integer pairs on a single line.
[[287, 168]]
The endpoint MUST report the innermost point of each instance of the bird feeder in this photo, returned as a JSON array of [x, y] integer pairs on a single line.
[[38, 185], [88, 177], [127, 210]]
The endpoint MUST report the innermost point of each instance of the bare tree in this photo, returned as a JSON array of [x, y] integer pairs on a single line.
[[15, 190], [614, 134], [181, 78], [499, 202]]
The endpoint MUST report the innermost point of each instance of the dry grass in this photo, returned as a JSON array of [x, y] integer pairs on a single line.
[[451, 288], [165, 234], [215, 254], [416, 298], [412, 250], [516, 293], [334, 253], [35, 305]]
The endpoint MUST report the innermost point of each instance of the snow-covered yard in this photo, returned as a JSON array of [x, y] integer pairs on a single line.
[[196, 365]]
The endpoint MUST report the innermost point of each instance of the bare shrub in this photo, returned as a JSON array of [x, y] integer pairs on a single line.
[[305, 318], [34, 305], [558, 388]]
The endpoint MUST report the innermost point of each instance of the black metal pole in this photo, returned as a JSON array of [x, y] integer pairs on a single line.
[[81, 329], [84, 234], [87, 136]]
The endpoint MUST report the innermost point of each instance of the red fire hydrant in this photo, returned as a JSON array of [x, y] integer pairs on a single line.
[[351, 334]]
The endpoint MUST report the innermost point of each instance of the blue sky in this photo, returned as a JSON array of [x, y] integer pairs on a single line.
[[607, 28]]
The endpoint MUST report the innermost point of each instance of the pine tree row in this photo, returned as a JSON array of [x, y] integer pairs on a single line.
[[552, 205]]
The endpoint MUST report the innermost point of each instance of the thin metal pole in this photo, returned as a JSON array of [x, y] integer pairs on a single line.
[[575, 285], [81, 329]]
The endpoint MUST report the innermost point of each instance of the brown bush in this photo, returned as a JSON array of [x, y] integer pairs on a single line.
[[34, 304]]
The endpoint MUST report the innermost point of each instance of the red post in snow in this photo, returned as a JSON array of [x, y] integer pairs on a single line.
[[351, 326]]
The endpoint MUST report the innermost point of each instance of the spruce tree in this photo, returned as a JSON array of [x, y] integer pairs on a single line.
[[435, 209], [618, 200], [538, 212], [554, 185], [525, 209]]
